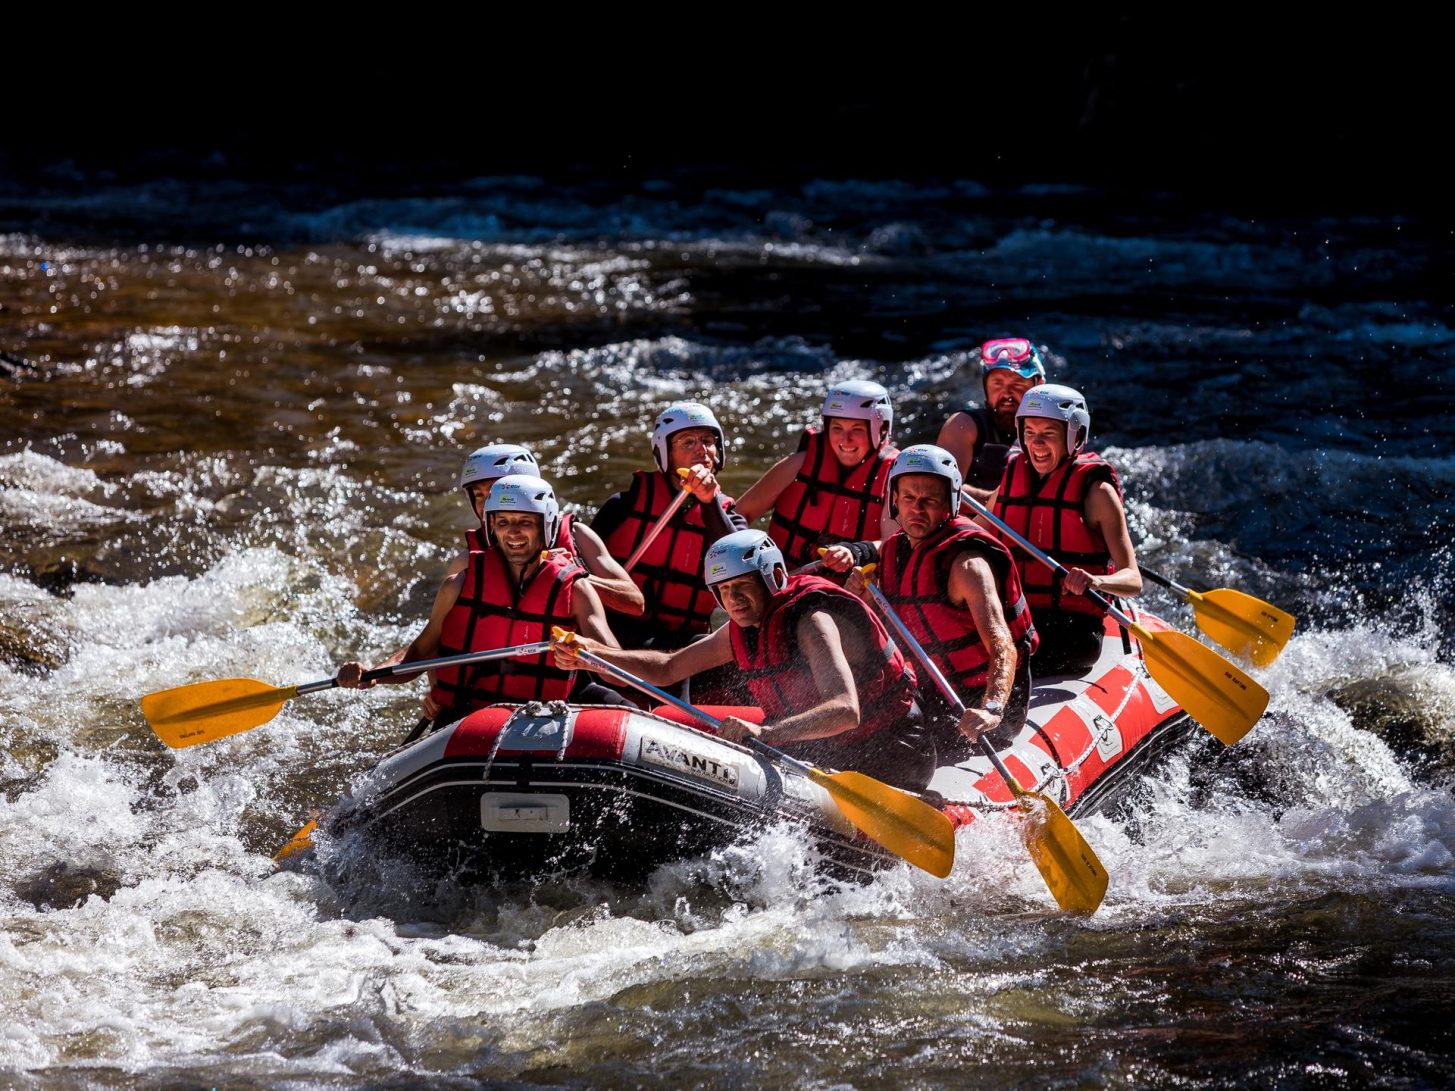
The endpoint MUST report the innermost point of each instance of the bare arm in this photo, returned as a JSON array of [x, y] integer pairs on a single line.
[[958, 435], [456, 566], [983, 495], [658, 668], [458, 563], [820, 644], [605, 573], [1104, 512], [590, 614], [972, 586], [425, 646], [764, 493]]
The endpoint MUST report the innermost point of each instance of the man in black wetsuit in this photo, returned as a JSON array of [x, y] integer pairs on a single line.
[[980, 437]]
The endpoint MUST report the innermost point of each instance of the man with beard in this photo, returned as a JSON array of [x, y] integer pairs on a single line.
[[980, 437]]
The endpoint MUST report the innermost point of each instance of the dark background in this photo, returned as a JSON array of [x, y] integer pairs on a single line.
[[1219, 106]]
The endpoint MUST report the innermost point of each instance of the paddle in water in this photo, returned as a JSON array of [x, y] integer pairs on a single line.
[[1071, 869], [206, 711], [1214, 692], [905, 825], [301, 841]]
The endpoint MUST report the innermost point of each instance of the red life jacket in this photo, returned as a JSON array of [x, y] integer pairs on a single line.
[[1050, 513], [782, 683], [915, 580], [475, 538], [492, 613], [827, 503], [669, 574]]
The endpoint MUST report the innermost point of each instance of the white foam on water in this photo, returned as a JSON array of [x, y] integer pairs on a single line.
[[186, 967], [34, 471], [44, 494], [1222, 472], [205, 956], [1309, 801]]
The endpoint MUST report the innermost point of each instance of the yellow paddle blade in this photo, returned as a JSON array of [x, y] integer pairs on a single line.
[[906, 826], [1213, 691], [205, 711], [1067, 863], [300, 842], [1243, 624]]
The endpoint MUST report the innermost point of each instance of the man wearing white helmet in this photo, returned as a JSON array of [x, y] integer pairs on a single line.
[[678, 605], [488, 464], [1065, 500], [957, 590], [833, 488], [980, 437], [511, 592], [834, 688]]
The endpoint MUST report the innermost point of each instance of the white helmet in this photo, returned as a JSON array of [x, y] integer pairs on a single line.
[[675, 418], [497, 460], [859, 399], [1055, 402], [926, 458], [522, 492], [742, 552]]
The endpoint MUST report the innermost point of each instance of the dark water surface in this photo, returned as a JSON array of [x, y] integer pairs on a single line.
[[230, 420]]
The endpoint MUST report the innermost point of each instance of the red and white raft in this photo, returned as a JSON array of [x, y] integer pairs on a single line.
[[515, 792]]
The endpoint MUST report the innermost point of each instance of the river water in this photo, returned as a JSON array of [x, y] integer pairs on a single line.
[[230, 417]]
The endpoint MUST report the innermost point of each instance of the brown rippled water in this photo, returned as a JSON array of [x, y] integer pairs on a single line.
[[240, 460]]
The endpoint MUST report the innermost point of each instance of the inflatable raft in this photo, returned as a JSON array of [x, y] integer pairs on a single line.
[[517, 791]]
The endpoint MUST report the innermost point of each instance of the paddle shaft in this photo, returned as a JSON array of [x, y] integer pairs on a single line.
[[1051, 563], [692, 710], [899, 821], [1101, 600], [1069, 865], [1171, 585], [419, 666], [941, 682], [657, 527]]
